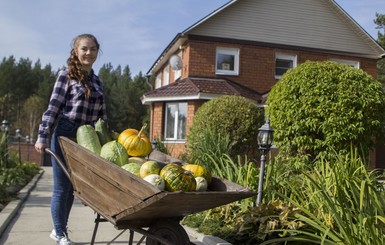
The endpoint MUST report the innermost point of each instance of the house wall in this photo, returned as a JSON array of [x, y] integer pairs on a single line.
[[176, 149], [257, 71], [257, 63]]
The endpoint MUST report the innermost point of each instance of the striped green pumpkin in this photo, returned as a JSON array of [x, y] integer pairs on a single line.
[[177, 179]]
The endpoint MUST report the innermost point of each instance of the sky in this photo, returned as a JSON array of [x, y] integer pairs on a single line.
[[130, 32]]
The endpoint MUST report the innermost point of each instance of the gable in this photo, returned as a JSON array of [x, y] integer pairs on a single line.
[[316, 24]]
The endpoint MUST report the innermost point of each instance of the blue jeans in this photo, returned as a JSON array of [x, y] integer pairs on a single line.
[[62, 197]]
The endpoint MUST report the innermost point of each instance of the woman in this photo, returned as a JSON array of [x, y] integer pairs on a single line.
[[77, 99]]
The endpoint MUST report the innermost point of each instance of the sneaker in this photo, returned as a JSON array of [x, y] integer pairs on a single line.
[[53, 235], [64, 241]]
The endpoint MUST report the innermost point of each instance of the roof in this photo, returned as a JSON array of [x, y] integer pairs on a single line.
[[315, 24], [198, 88]]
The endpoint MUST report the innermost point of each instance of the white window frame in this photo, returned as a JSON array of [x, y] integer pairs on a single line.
[[166, 75], [158, 81], [281, 56], [227, 51], [178, 73], [176, 122], [352, 63]]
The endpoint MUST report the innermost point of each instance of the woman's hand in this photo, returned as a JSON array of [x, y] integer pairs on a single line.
[[40, 147]]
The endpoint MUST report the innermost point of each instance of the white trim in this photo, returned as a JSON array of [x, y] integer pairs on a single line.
[[199, 96], [284, 56], [353, 63], [231, 52]]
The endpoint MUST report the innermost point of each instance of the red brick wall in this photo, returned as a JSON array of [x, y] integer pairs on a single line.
[[257, 71], [257, 64], [157, 118]]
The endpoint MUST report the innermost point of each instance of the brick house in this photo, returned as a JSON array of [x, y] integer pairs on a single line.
[[243, 48]]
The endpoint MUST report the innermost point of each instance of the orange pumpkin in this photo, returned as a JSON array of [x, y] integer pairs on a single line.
[[136, 143]]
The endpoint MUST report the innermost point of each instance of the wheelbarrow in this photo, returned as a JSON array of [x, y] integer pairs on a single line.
[[131, 203]]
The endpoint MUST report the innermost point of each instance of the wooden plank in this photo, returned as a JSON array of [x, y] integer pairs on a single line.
[[123, 198], [107, 170], [179, 204], [109, 198], [176, 204]]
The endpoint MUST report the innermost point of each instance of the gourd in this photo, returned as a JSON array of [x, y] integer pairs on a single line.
[[114, 152], [136, 143], [149, 167], [199, 171], [103, 132], [156, 181], [177, 179], [201, 184], [133, 168], [86, 136]]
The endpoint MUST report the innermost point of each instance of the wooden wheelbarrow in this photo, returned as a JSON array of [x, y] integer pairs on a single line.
[[131, 203]]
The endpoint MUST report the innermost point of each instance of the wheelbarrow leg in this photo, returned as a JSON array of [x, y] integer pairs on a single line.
[[97, 220], [131, 237]]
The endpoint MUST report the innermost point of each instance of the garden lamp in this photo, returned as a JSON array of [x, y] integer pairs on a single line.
[[5, 126], [265, 141], [154, 144], [18, 137]]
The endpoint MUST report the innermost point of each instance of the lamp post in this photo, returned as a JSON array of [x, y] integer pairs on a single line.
[[154, 144], [265, 141], [18, 137], [5, 129], [28, 141]]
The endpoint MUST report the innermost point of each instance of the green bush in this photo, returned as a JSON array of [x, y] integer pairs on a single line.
[[319, 106], [338, 202], [233, 118]]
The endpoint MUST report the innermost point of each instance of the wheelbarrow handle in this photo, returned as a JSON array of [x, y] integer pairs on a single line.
[[59, 161]]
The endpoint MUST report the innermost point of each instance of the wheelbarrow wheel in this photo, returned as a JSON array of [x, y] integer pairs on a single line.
[[173, 232]]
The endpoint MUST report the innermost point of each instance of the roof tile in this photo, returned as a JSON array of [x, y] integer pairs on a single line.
[[194, 85]]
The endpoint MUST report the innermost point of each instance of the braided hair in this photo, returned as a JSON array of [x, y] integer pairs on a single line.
[[75, 70]]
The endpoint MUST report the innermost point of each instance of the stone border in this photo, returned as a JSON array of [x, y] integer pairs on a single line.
[[10, 211], [205, 239]]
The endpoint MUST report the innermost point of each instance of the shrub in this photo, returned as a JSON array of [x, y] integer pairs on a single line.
[[325, 105], [234, 118], [339, 202]]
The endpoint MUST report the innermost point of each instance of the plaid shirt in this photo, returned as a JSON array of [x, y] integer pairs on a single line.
[[68, 101]]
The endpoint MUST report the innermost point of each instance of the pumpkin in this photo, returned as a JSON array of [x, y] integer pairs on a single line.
[[114, 152], [149, 167], [136, 143], [155, 180], [139, 160], [86, 136], [177, 179], [201, 184], [199, 171], [133, 168]]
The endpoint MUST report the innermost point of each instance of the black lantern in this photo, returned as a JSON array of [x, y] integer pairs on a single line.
[[5, 126], [154, 144], [265, 141], [265, 136]]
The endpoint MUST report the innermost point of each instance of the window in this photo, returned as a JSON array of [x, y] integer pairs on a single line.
[[166, 76], [351, 63], [158, 81], [284, 62], [227, 61], [177, 74], [175, 121]]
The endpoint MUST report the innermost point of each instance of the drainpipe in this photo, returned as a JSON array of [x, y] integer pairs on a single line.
[[148, 81]]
